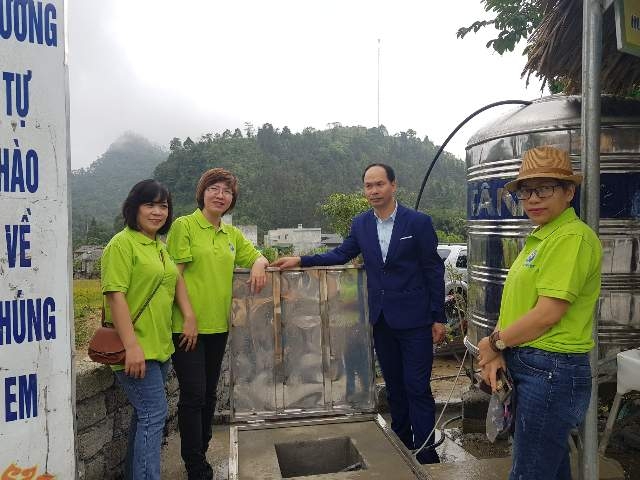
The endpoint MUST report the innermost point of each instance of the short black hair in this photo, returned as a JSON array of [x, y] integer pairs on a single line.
[[391, 175], [143, 192]]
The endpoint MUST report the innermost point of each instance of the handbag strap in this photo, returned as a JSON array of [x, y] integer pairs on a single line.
[[104, 323], [135, 319], [147, 302]]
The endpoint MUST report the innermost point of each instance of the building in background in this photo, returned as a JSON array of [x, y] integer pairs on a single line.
[[300, 240], [249, 231], [86, 260]]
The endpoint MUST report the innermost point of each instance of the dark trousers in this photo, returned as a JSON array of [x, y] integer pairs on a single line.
[[406, 358], [198, 372]]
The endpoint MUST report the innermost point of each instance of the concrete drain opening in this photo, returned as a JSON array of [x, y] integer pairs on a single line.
[[317, 457]]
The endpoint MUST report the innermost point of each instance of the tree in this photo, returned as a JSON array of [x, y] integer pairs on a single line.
[[188, 143], [284, 177], [515, 20], [340, 208], [175, 144], [96, 234]]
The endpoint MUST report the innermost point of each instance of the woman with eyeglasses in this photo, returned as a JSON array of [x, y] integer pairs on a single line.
[[543, 335], [140, 284], [206, 251]]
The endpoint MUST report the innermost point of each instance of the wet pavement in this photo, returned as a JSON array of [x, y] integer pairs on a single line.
[[218, 455], [463, 456]]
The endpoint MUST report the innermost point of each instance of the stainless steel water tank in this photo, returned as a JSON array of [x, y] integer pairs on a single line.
[[498, 226]]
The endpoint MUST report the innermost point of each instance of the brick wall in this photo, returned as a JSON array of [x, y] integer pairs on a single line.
[[103, 415]]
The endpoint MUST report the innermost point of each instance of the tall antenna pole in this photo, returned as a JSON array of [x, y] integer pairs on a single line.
[[378, 82]]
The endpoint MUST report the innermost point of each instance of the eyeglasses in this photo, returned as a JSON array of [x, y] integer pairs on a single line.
[[543, 191], [217, 191]]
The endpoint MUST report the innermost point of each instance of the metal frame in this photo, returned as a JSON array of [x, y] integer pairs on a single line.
[[279, 365], [327, 414], [405, 454]]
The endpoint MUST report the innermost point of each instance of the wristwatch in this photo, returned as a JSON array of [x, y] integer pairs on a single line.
[[497, 344]]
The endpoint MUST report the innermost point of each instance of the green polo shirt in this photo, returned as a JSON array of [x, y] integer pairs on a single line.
[[211, 254], [134, 264], [560, 260]]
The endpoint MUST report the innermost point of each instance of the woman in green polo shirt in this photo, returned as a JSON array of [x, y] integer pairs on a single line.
[[139, 283], [206, 251], [543, 334]]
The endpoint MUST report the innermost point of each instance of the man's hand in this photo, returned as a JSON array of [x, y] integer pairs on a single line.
[[286, 262], [438, 332]]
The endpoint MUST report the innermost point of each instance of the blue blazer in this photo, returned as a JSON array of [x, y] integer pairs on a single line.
[[408, 288]]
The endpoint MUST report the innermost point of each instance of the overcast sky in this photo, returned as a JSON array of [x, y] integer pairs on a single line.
[[169, 69]]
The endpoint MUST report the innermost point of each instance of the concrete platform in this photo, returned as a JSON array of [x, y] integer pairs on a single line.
[[258, 459], [458, 463], [498, 469]]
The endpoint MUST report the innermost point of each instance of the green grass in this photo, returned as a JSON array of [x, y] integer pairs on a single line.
[[87, 305]]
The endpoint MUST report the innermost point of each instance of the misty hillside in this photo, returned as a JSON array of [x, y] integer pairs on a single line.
[[97, 192], [283, 176]]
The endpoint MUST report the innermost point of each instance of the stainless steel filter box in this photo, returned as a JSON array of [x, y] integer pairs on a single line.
[[303, 382]]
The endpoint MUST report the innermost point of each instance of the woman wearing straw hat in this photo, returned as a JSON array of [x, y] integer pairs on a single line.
[[543, 334]]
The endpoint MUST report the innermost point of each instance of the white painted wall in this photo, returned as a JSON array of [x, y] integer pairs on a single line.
[[36, 318]]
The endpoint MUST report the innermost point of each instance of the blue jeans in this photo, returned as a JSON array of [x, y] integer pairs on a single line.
[[552, 396], [149, 400]]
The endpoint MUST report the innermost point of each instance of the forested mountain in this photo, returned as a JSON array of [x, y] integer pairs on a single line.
[[284, 177], [99, 190]]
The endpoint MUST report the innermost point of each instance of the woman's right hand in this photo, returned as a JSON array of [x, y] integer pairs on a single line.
[[189, 336], [134, 364], [490, 371]]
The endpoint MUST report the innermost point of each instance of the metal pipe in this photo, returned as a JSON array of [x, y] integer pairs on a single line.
[[455, 130], [590, 199], [611, 420]]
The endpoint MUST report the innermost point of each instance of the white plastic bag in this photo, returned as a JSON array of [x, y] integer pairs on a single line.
[[498, 417]]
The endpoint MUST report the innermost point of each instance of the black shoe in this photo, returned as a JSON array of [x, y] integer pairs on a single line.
[[203, 472], [428, 457]]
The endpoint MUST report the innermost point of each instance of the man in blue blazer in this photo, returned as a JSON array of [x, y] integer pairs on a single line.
[[405, 283]]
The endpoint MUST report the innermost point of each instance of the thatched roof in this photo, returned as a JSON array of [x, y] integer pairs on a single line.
[[555, 50]]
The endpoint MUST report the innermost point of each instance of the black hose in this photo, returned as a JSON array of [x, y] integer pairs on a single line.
[[455, 130], [435, 445], [444, 424]]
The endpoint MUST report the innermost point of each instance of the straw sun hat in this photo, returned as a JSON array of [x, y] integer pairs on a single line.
[[545, 162]]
